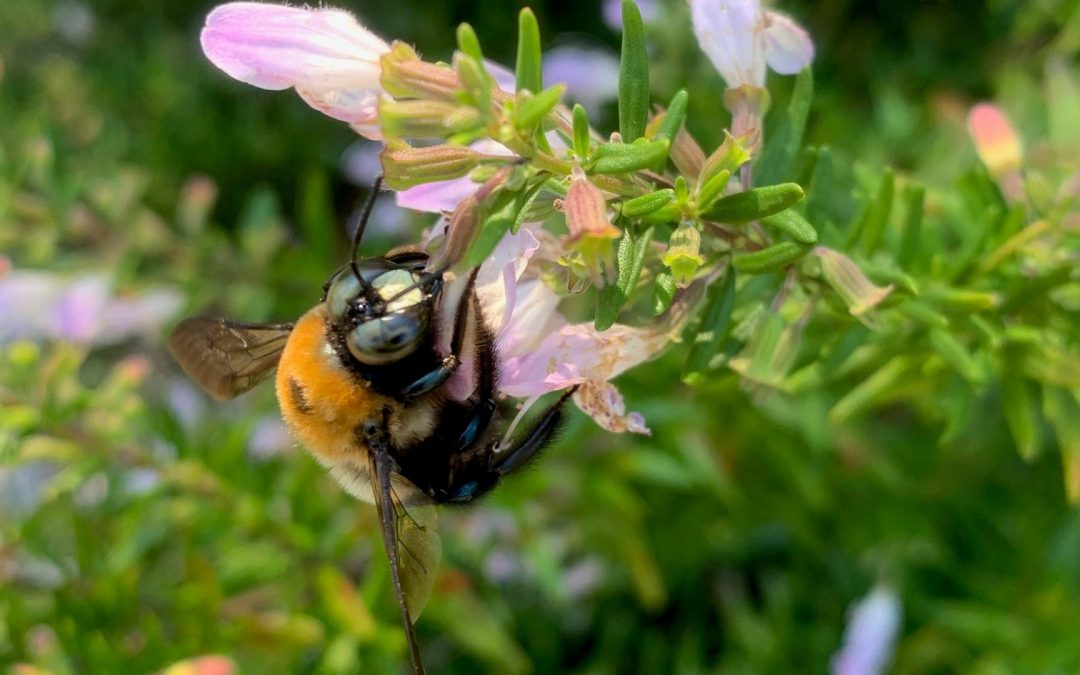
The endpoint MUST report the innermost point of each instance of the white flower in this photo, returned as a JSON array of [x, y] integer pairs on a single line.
[[740, 39], [873, 624], [331, 60]]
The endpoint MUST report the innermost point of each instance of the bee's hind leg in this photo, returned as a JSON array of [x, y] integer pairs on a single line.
[[501, 461]]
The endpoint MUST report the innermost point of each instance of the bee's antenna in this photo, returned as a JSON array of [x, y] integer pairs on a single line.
[[358, 234]]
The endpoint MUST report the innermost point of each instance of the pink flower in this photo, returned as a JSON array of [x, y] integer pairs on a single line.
[[325, 54], [995, 139], [541, 352], [741, 39]]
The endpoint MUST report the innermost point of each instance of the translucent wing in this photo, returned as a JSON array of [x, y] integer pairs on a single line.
[[227, 357], [407, 520]]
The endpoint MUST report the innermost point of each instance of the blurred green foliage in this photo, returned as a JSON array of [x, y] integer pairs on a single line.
[[141, 525]]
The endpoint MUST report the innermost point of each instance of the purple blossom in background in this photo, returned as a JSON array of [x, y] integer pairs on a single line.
[[870, 638], [36, 304], [611, 10], [591, 74]]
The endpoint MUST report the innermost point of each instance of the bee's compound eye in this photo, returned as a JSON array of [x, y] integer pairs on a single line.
[[386, 339], [344, 288]]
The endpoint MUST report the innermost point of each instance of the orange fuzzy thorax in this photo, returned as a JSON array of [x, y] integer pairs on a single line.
[[321, 402]]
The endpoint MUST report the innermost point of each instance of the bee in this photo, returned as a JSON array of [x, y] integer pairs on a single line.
[[361, 382]]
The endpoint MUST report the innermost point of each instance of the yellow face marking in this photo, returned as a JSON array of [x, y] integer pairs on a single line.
[[321, 402], [393, 282]]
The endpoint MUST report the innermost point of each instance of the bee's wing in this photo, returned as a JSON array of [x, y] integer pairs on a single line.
[[227, 357], [407, 520]]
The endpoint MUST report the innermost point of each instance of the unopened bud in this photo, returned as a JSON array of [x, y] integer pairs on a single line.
[[728, 157], [424, 118], [405, 166], [406, 75], [683, 256], [586, 212]]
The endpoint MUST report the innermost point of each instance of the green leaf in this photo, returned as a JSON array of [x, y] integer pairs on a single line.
[[1018, 403], [871, 227], [771, 259], [528, 72], [663, 293], [468, 42], [647, 203], [631, 255], [822, 186], [506, 214], [957, 356], [791, 223], [672, 121], [633, 75], [872, 390], [1062, 410], [713, 329], [532, 108], [625, 157], [914, 204], [780, 150], [581, 132], [742, 207]]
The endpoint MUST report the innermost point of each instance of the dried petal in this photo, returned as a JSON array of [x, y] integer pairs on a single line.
[[603, 402], [858, 292]]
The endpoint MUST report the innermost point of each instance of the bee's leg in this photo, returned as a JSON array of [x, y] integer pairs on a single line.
[[501, 461], [444, 370], [375, 434]]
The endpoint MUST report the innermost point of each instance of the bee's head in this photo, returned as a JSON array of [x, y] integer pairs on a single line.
[[382, 307]]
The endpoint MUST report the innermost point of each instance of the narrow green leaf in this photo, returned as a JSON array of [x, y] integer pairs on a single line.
[[1018, 403], [672, 121], [914, 204], [1062, 410], [871, 227], [742, 207], [822, 185], [791, 223], [663, 293], [468, 42], [581, 132], [647, 203], [956, 355], [713, 188], [771, 259], [780, 150], [631, 255], [713, 329], [505, 214], [531, 109], [625, 157], [633, 75], [528, 72], [871, 390]]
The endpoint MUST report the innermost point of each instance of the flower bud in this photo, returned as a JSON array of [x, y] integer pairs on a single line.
[[586, 212], [424, 118], [683, 256], [405, 166], [995, 139], [405, 75]]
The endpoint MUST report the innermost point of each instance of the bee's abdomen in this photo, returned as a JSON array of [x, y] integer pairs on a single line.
[[322, 403]]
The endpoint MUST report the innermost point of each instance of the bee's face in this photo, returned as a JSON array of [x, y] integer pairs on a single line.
[[381, 309]]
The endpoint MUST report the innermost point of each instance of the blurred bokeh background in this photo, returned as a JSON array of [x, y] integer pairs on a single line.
[[141, 524]]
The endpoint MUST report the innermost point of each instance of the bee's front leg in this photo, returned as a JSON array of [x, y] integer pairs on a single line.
[[437, 377]]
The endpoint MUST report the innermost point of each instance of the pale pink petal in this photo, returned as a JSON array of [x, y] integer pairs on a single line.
[[79, 313], [331, 60], [591, 74], [438, 197], [496, 282], [203, 665], [576, 353], [535, 316], [788, 47], [603, 402], [728, 31], [505, 78]]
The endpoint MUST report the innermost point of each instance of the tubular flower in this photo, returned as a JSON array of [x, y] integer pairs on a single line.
[[740, 39], [325, 54]]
